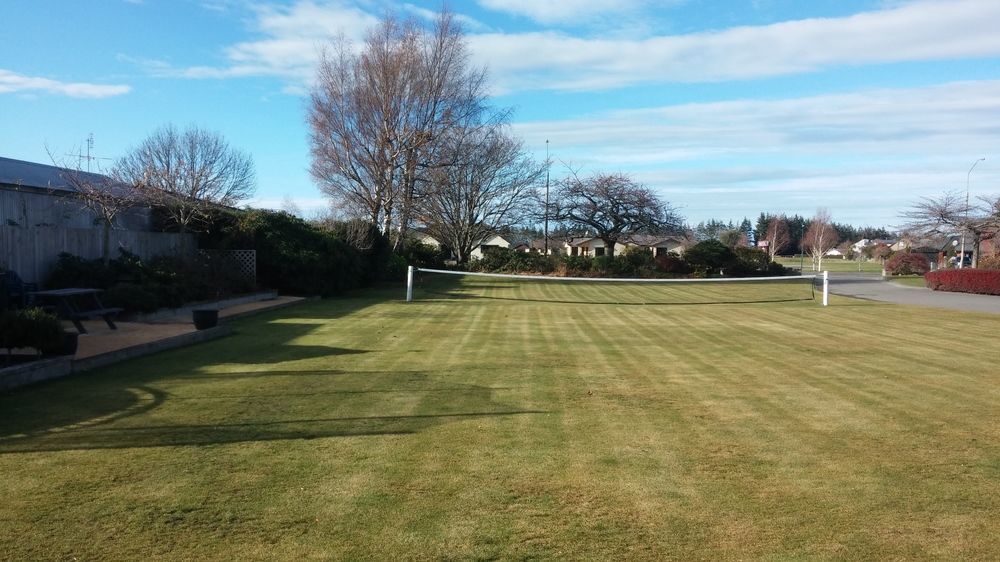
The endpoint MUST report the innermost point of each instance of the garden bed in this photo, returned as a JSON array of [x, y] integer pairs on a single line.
[[169, 313]]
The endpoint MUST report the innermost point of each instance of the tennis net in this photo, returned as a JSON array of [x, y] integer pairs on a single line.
[[426, 284]]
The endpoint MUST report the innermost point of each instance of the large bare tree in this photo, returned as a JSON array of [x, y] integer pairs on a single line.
[[105, 196], [187, 173], [951, 213], [376, 115], [488, 184], [776, 235], [612, 205], [819, 238]]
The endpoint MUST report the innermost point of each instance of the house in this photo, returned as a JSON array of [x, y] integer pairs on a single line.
[[657, 245], [42, 214], [935, 249], [593, 246], [537, 246], [33, 194], [834, 253], [588, 246], [423, 238], [495, 241]]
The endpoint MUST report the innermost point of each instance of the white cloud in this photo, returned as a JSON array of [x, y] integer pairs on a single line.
[[885, 147], [942, 119], [11, 82], [931, 30], [468, 23], [556, 11], [548, 60]]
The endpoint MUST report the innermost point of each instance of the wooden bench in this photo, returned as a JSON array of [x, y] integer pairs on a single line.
[[108, 314], [76, 304]]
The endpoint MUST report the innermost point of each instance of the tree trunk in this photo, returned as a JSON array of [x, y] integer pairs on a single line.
[[106, 243], [609, 247]]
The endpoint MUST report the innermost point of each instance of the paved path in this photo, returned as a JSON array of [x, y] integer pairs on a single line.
[[872, 287]]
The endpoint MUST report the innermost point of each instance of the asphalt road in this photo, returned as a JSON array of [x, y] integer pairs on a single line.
[[872, 287]]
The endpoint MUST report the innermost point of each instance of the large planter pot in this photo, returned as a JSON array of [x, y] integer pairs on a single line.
[[67, 345], [205, 318]]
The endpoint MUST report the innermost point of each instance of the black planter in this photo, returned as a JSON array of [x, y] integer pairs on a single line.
[[205, 318]]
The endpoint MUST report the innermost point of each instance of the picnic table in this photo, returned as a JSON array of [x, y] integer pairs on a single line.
[[76, 304]]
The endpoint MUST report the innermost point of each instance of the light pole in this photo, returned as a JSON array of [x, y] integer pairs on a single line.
[[961, 259], [547, 166]]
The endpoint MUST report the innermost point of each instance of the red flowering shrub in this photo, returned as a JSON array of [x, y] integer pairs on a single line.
[[981, 281], [907, 263]]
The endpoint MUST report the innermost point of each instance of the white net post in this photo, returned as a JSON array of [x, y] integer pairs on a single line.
[[409, 283], [826, 288]]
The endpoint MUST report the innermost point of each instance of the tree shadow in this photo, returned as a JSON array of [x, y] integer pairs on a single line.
[[371, 403]]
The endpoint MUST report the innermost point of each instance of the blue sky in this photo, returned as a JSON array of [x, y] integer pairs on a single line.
[[727, 108]]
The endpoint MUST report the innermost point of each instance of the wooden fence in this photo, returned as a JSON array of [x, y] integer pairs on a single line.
[[32, 251]]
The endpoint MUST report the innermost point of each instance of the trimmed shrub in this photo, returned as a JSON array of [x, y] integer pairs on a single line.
[[979, 281], [74, 271], [131, 297], [507, 260], [752, 261], [298, 258], [419, 254], [907, 263], [710, 256], [164, 281], [578, 264], [671, 263], [29, 327], [989, 262]]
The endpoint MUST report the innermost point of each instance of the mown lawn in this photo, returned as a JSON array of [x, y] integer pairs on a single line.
[[910, 281], [833, 264], [487, 428]]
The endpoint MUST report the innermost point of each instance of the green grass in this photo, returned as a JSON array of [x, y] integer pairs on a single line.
[[490, 428], [910, 281], [833, 264]]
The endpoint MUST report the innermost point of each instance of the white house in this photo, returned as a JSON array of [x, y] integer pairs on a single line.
[[593, 246], [495, 241], [658, 245]]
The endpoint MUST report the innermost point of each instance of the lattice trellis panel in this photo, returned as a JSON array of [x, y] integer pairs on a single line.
[[242, 261]]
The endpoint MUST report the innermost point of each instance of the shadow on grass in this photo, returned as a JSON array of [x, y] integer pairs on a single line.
[[356, 404]]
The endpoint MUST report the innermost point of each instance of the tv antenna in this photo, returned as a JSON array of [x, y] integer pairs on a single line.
[[80, 157]]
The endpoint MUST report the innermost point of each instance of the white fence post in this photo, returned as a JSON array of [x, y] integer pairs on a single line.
[[409, 283], [826, 288]]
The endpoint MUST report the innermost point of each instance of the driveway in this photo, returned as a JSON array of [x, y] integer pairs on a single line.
[[872, 287]]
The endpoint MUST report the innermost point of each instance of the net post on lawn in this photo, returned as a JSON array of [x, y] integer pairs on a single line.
[[826, 288], [409, 283]]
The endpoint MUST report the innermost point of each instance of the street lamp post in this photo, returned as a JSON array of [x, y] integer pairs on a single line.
[[547, 166], [961, 259]]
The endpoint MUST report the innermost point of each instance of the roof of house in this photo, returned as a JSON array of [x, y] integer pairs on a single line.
[[41, 176], [650, 239]]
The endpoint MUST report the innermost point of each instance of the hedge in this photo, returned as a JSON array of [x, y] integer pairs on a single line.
[[907, 263], [979, 281]]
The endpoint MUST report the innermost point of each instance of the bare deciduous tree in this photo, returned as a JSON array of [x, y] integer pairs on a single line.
[[487, 186], [105, 196], [951, 213], [375, 116], [612, 205], [777, 236], [187, 173], [820, 238]]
